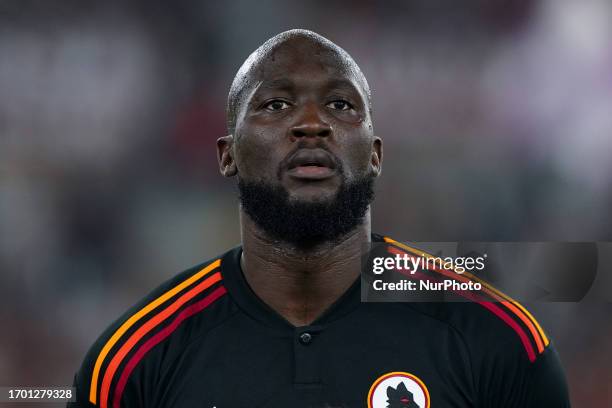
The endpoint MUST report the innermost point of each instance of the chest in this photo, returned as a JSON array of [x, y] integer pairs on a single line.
[[344, 364]]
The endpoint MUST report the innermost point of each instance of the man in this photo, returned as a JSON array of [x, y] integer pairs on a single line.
[[277, 321]]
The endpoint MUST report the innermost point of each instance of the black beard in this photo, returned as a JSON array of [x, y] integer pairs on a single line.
[[306, 224]]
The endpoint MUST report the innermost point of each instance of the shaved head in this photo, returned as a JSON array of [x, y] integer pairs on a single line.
[[309, 45]]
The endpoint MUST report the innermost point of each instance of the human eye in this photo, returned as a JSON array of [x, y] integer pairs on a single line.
[[340, 105], [275, 105]]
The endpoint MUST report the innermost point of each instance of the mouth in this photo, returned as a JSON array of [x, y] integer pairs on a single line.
[[311, 164]]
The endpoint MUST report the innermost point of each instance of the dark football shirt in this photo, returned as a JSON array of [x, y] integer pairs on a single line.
[[204, 339]]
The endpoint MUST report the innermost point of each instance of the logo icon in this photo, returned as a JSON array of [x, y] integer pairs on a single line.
[[398, 390]]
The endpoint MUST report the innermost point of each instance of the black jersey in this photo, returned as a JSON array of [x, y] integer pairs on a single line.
[[204, 339]]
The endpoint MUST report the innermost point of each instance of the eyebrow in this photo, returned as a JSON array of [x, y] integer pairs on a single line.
[[339, 83], [288, 85], [281, 83]]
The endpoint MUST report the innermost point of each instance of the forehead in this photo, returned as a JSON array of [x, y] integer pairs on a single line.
[[299, 51], [298, 63]]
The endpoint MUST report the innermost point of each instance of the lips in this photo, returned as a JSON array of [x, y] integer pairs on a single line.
[[312, 164]]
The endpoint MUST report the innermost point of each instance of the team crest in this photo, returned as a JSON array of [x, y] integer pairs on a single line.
[[398, 390]]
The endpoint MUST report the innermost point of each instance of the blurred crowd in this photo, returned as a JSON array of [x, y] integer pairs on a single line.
[[496, 118]]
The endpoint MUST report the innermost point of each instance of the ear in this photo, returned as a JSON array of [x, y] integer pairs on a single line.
[[401, 388], [225, 156], [377, 155]]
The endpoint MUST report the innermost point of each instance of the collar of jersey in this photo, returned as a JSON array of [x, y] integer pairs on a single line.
[[253, 306]]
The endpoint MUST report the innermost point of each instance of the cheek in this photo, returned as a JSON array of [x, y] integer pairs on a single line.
[[358, 156], [256, 156]]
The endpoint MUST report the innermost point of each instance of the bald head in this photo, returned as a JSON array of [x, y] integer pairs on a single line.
[[297, 47]]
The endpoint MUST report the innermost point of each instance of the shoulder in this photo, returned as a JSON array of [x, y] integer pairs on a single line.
[[488, 328], [511, 357], [194, 297], [487, 319]]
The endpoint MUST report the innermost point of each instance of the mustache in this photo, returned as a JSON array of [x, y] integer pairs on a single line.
[[308, 145]]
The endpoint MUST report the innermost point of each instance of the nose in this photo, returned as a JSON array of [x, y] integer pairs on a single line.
[[310, 123]]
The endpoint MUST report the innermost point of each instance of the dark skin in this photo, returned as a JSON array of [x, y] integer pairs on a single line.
[[305, 98]]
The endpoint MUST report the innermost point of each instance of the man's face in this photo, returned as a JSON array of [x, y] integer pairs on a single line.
[[305, 126], [303, 148]]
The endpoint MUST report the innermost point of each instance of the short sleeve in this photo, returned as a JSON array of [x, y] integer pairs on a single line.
[[512, 381]]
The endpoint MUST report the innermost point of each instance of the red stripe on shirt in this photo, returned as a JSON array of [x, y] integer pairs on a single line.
[[160, 336]]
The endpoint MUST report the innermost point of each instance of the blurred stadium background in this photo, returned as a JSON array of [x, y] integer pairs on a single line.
[[496, 116]]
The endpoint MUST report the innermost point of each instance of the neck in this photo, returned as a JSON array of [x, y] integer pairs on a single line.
[[300, 284]]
